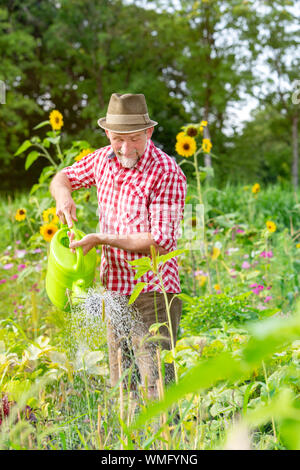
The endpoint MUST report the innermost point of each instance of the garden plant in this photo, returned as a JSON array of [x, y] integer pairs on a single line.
[[238, 351]]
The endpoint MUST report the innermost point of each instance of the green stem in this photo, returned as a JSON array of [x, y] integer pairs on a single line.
[[60, 155], [197, 177], [46, 155], [170, 323], [268, 391]]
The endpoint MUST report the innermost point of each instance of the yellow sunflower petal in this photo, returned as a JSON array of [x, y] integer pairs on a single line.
[[82, 154], [206, 145], [256, 188], [186, 147], [20, 215], [271, 226], [48, 230], [56, 120]]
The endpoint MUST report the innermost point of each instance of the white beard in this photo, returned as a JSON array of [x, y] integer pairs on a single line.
[[128, 162]]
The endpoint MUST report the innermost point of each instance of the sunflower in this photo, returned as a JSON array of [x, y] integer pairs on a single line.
[[48, 230], [256, 188], [271, 226], [202, 124], [56, 120], [206, 145], [82, 154], [52, 213], [186, 146], [20, 215], [298, 245], [217, 287], [215, 253], [180, 136], [192, 130]]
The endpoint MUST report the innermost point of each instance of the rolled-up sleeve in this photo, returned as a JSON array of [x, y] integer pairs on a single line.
[[81, 174], [166, 209]]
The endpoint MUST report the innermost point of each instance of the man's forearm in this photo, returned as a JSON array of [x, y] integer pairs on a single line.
[[60, 186], [135, 242]]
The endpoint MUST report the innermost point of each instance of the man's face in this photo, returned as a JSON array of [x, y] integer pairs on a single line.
[[129, 147]]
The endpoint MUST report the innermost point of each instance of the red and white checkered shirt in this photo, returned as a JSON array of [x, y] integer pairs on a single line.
[[147, 198]]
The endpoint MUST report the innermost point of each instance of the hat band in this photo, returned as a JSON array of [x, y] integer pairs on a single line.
[[127, 119]]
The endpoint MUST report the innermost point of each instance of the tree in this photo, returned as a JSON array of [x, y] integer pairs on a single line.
[[279, 40], [219, 49], [73, 55]]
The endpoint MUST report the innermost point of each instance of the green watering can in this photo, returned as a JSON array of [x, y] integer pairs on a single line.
[[67, 270]]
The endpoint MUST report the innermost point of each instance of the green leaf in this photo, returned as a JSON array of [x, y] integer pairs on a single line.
[[34, 188], [31, 157], [155, 327], [141, 271], [26, 144], [172, 254], [141, 262], [186, 298], [41, 124], [46, 143], [136, 292], [269, 336], [54, 140]]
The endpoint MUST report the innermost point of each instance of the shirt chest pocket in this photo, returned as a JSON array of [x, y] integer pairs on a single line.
[[136, 210]]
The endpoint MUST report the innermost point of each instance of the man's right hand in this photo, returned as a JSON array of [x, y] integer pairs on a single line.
[[66, 210]]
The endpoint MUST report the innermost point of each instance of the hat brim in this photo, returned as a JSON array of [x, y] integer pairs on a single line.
[[125, 128]]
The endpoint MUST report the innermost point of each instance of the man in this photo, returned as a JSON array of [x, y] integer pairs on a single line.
[[141, 193]]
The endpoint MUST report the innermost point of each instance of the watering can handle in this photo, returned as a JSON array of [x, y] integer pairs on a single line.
[[79, 252]]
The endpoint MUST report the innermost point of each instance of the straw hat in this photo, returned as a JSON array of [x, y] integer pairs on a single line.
[[126, 113]]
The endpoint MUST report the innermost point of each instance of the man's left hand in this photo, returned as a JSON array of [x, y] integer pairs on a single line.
[[88, 242]]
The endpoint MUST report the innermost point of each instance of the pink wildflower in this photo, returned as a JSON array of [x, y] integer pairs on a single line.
[[8, 266], [15, 276], [268, 298], [2, 281], [246, 265], [266, 254], [20, 253], [21, 266], [256, 288]]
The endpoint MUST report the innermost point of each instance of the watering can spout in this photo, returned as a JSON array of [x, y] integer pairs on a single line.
[[78, 291]]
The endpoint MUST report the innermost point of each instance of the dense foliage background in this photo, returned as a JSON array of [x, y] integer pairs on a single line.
[[193, 60]]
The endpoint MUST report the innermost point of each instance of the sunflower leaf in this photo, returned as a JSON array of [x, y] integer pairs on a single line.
[[41, 124], [26, 144], [136, 292], [31, 157]]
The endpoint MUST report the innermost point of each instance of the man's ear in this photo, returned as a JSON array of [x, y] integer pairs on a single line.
[[149, 132], [107, 134]]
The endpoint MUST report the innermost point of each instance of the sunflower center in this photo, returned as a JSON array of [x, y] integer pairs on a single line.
[[186, 146], [21, 212], [49, 231], [192, 132]]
